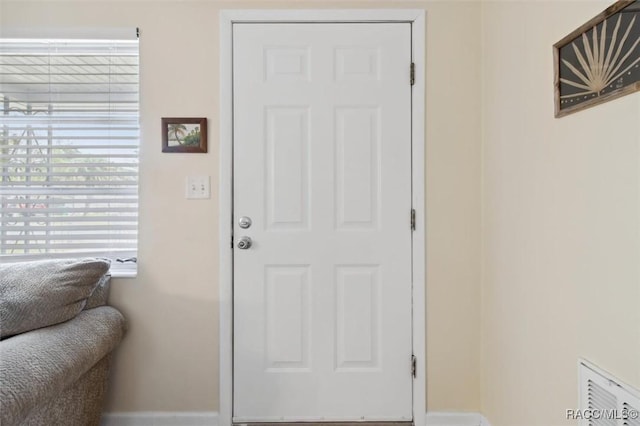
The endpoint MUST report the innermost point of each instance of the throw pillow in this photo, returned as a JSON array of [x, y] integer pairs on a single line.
[[42, 293]]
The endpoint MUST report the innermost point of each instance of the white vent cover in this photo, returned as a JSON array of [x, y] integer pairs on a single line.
[[631, 422], [606, 400]]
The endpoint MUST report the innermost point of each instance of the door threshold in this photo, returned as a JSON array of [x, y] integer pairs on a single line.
[[326, 423]]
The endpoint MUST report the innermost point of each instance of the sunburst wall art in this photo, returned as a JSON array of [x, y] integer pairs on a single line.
[[600, 60]]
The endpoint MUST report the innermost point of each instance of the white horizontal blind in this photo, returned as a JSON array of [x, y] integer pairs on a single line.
[[69, 138]]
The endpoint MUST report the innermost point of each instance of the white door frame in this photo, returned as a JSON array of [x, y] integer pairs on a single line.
[[227, 17]]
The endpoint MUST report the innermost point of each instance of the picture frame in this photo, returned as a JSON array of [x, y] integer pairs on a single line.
[[599, 61], [186, 135]]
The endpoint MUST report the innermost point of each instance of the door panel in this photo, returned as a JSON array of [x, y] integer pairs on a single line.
[[287, 167], [322, 166], [357, 318]]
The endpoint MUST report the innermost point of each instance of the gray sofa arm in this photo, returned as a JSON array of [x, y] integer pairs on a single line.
[[38, 365]]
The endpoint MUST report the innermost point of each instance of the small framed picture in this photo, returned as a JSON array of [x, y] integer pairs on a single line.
[[184, 135]]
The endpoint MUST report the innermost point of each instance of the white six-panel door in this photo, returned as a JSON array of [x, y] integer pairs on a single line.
[[322, 167]]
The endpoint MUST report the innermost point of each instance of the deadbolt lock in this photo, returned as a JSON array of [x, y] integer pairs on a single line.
[[244, 222]]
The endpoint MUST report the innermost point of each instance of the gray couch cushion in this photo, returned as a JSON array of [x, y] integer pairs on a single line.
[[37, 366], [100, 295], [43, 293]]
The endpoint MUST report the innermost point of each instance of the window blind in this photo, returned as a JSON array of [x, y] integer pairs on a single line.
[[69, 140]]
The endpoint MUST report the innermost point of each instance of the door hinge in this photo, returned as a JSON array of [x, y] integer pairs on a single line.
[[413, 219], [412, 73], [232, 242], [414, 366]]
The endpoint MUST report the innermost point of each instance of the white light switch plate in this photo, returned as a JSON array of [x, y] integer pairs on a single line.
[[198, 187]]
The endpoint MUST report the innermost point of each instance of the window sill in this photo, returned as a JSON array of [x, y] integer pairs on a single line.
[[132, 273]]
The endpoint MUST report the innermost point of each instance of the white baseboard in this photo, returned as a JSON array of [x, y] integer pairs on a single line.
[[210, 418], [456, 419], [160, 418]]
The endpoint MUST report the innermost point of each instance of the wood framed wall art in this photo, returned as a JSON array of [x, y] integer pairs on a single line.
[[599, 61], [184, 135]]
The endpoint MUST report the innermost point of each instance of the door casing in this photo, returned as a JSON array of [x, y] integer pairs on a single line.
[[227, 18]]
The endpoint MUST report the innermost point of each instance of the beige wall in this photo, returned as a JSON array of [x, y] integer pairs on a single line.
[[169, 359], [561, 223], [453, 205]]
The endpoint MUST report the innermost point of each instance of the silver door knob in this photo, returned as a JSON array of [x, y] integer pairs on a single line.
[[244, 222], [244, 243]]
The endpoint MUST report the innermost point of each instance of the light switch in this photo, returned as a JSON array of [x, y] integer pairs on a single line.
[[198, 187]]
